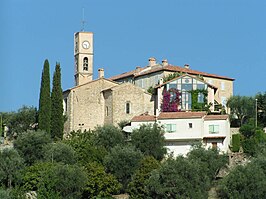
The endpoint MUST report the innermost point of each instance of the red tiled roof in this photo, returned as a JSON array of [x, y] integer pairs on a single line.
[[181, 115], [216, 117], [171, 68], [215, 137], [143, 118]]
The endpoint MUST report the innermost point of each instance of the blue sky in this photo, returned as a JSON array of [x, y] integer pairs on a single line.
[[226, 37]]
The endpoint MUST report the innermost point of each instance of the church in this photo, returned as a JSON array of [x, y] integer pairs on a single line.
[[100, 101]]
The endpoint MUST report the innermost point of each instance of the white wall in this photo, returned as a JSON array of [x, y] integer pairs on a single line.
[[224, 130], [182, 128], [181, 141]]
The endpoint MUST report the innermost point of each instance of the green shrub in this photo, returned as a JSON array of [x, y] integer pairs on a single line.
[[236, 142]]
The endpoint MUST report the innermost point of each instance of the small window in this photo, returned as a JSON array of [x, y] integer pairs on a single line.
[[172, 85], [65, 105], [190, 125], [85, 63], [76, 64], [213, 129], [170, 128], [106, 111], [222, 86], [200, 98], [200, 86], [128, 108]]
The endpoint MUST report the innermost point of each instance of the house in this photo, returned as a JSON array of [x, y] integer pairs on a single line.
[[183, 129], [150, 75], [189, 93]]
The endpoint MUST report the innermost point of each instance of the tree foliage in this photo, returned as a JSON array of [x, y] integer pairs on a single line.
[[22, 120], [137, 188], [44, 119], [241, 108], [122, 162], [108, 136], [85, 147], [150, 140], [10, 166], [57, 119], [209, 161], [99, 183], [30, 145], [245, 181], [235, 142], [62, 181], [261, 99], [177, 178], [59, 152]]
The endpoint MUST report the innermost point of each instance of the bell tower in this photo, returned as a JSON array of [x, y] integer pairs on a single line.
[[83, 53]]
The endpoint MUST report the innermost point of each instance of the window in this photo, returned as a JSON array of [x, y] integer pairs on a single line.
[[200, 98], [170, 128], [106, 111], [200, 86], [223, 101], [172, 85], [76, 64], [65, 105], [190, 125], [213, 129], [128, 108], [222, 86], [85, 63]]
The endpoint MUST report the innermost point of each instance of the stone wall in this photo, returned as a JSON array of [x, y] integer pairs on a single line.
[[86, 105], [140, 102]]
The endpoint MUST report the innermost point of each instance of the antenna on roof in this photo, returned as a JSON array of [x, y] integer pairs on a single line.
[[83, 21]]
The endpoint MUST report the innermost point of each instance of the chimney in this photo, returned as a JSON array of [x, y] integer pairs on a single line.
[[152, 61], [100, 73], [186, 66], [165, 62]]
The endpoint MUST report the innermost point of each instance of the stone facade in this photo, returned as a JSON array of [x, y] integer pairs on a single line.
[[102, 102], [84, 105], [125, 101]]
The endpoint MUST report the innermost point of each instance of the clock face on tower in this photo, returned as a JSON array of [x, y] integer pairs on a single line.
[[86, 44]]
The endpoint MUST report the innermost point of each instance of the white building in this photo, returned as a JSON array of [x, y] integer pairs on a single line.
[[183, 129]]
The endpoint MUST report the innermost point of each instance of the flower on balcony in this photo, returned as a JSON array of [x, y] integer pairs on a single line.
[[171, 100]]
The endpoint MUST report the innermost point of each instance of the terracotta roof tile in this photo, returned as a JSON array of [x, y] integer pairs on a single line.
[[216, 117], [181, 115], [143, 118], [144, 71], [214, 137]]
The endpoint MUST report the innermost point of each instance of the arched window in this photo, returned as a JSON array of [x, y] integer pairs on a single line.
[[85, 63]]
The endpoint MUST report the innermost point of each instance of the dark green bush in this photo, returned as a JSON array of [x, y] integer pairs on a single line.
[[235, 142]]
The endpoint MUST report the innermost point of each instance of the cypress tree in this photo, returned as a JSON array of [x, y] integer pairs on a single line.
[[44, 117], [57, 123]]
